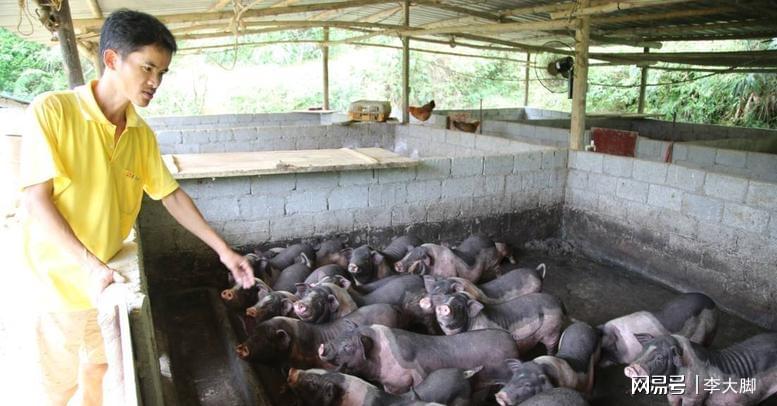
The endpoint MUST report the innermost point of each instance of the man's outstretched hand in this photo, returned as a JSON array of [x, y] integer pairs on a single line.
[[240, 268]]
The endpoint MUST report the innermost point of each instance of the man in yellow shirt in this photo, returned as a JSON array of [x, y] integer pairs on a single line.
[[87, 158]]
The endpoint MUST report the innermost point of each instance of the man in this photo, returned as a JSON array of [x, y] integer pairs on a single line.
[[86, 159]]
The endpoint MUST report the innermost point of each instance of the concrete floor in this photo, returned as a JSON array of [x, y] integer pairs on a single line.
[[596, 293]]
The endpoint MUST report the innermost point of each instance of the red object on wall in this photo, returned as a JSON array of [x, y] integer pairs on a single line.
[[614, 142]]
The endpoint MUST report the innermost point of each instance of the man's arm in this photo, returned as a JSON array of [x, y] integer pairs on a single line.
[[38, 203], [182, 208]]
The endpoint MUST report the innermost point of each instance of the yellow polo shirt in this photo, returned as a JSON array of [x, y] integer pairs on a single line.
[[98, 186]]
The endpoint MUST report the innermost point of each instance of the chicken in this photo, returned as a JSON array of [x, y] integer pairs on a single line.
[[422, 113], [469, 127]]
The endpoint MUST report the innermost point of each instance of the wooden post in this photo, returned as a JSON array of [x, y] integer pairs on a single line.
[[406, 67], [642, 83], [67, 43], [526, 85], [325, 51], [582, 33]]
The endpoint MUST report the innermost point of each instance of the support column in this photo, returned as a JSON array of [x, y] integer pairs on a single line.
[[582, 35], [406, 67], [67, 43], [325, 51], [526, 85], [642, 83]]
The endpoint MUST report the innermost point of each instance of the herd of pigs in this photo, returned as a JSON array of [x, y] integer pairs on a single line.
[[419, 323]]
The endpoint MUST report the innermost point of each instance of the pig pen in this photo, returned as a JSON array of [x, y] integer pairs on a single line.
[[618, 235]]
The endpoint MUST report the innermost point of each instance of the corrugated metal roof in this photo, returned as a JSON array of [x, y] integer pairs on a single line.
[[648, 24]]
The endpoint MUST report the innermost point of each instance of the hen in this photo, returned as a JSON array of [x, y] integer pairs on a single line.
[[422, 113]]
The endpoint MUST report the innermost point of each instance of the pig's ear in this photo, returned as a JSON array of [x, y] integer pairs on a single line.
[[677, 356], [366, 346], [282, 336], [350, 325], [469, 373], [334, 304], [643, 338], [301, 289], [261, 287], [329, 390], [429, 283], [457, 286], [287, 307], [346, 252], [513, 364], [302, 258], [377, 258], [342, 281], [474, 308]]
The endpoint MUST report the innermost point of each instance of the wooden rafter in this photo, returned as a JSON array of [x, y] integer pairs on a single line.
[[750, 59], [661, 16], [94, 6], [381, 15], [691, 28]]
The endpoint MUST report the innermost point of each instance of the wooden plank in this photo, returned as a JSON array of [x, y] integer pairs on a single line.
[[580, 86], [188, 166]]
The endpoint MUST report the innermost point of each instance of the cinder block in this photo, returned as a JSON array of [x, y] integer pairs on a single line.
[[306, 202], [679, 152], [273, 184], [703, 208], [552, 159], [548, 197], [282, 228], [395, 175], [651, 172], [261, 206], [467, 166], [425, 191], [731, 158], [582, 199], [333, 222], [762, 195], [433, 168], [618, 166], [612, 206], [361, 177], [702, 156], [746, 218], [717, 235], [408, 214], [498, 165], [724, 187], [513, 184], [633, 190], [212, 148], [349, 197], [535, 181], [459, 187], [219, 208], [246, 232], [602, 184], [220, 136], [168, 137], [494, 186], [773, 225], [577, 179], [651, 150], [588, 161], [762, 163], [387, 195], [213, 188], [377, 217], [187, 149], [528, 161], [319, 180], [666, 197], [460, 138], [691, 180]]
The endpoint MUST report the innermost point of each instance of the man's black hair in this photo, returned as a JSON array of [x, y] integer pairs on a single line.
[[126, 31]]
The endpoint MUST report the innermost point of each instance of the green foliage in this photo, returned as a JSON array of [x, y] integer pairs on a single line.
[[27, 68]]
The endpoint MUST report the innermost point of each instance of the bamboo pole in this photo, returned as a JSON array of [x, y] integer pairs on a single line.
[[68, 45], [97, 12], [406, 67], [526, 85], [577, 126], [751, 59], [325, 52], [642, 83], [382, 15]]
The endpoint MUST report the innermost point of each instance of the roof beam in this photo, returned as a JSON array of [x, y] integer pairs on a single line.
[[612, 8], [381, 15], [662, 16], [457, 9], [97, 12], [751, 59], [690, 28]]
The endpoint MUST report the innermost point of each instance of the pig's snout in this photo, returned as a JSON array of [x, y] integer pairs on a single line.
[[634, 370], [293, 376], [325, 353], [301, 309], [425, 303], [228, 294], [399, 267], [243, 351], [353, 268], [502, 399], [443, 310], [252, 312]]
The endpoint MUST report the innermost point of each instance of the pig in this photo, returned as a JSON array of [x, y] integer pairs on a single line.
[[557, 397], [332, 252], [267, 266], [400, 359], [572, 367], [367, 264], [436, 260], [283, 340], [475, 247], [323, 302], [278, 303], [319, 387], [693, 315], [531, 319], [237, 298], [325, 271], [288, 279], [755, 357], [511, 285]]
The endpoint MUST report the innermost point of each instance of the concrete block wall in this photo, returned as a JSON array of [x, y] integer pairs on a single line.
[[425, 141], [691, 228], [753, 165], [243, 139], [238, 120], [669, 131]]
